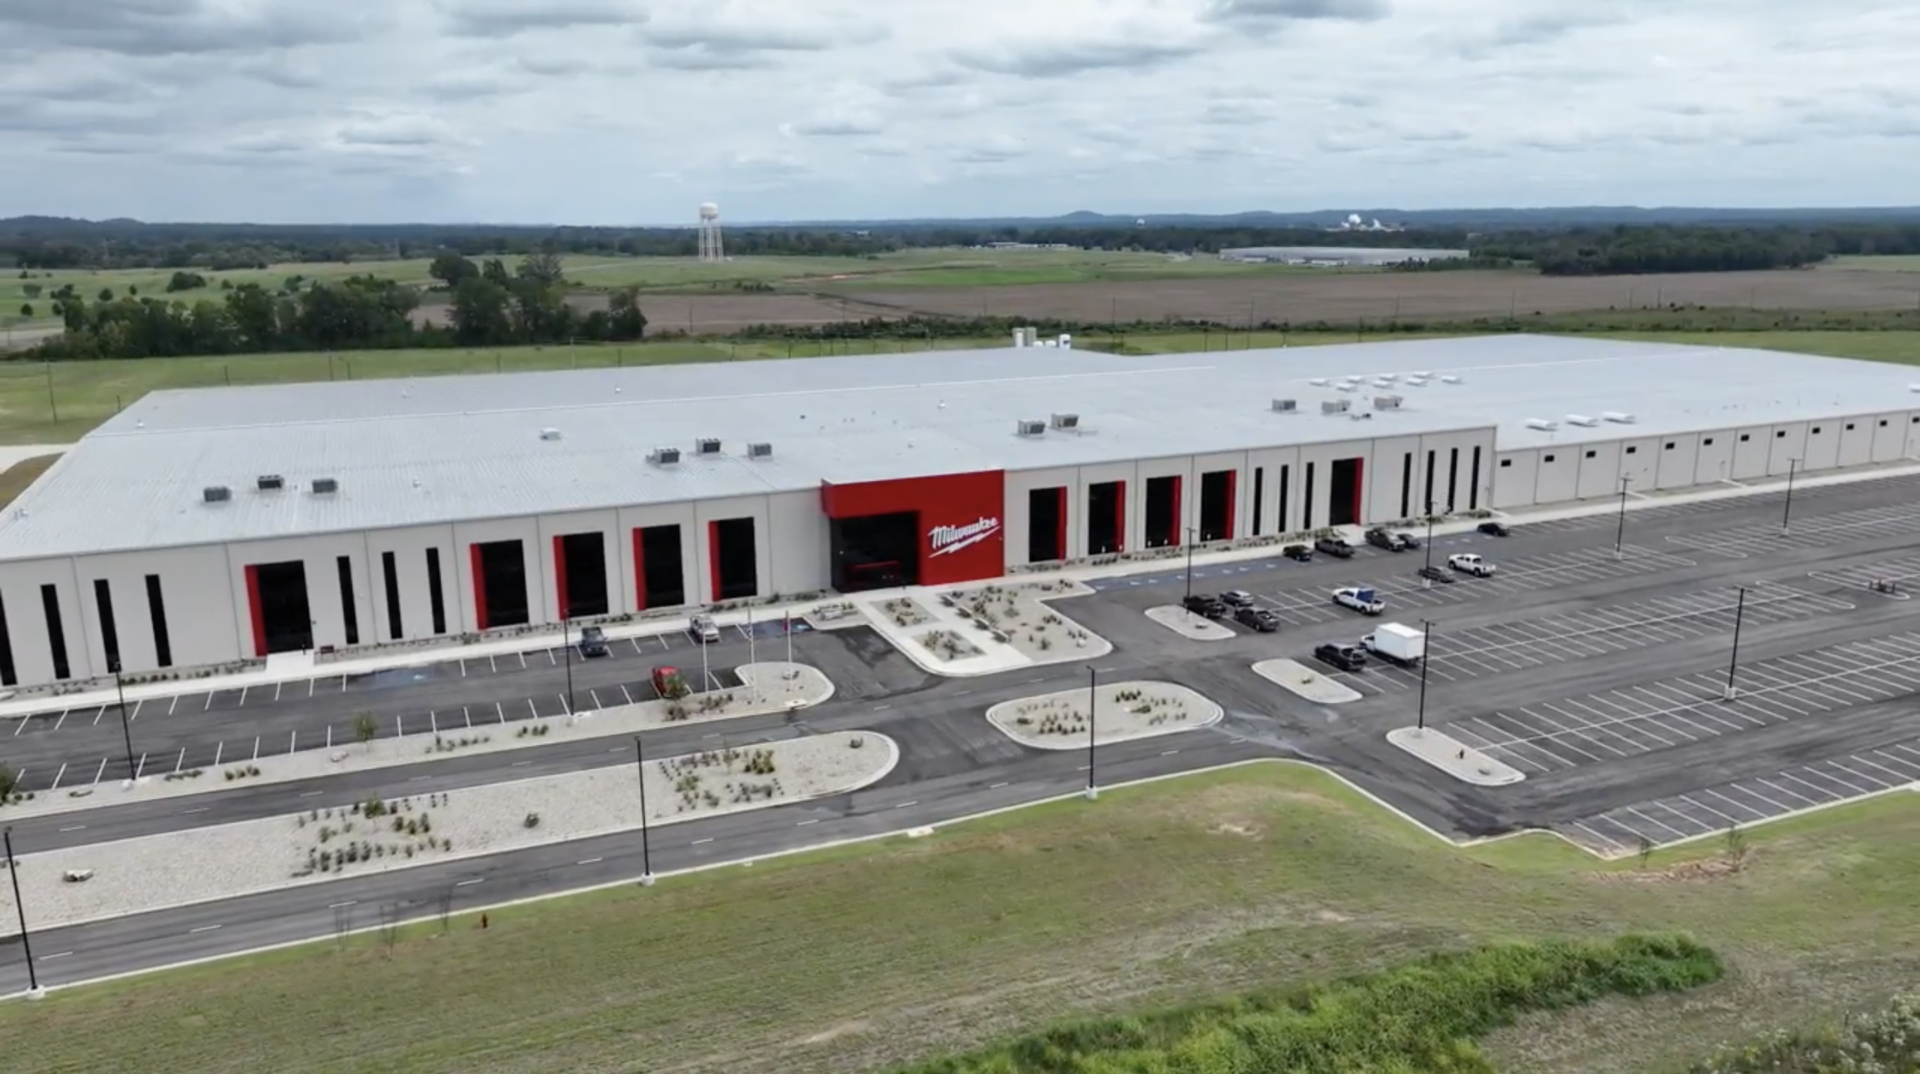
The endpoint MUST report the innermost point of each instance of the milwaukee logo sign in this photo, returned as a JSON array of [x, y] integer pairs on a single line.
[[946, 540]]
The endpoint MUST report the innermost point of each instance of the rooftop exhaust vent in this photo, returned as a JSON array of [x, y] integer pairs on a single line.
[[270, 482], [1416, 382], [707, 445], [664, 456], [1026, 427], [1582, 420], [549, 434], [1423, 374], [1286, 406], [1064, 421], [1542, 424], [1066, 341], [1449, 378], [1319, 382], [1387, 402], [1618, 418], [324, 485], [216, 494], [1383, 382], [1344, 386], [1335, 406], [762, 450], [1363, 416]]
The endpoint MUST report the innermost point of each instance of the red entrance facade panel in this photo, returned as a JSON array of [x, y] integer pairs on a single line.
[[560, 576], [639, 570], [479, 588], [256, 612], [962, 534]]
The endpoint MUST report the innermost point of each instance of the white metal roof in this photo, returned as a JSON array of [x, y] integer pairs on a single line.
[[439, 449]]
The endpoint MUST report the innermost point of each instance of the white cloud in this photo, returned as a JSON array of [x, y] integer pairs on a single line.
[[635, 111]]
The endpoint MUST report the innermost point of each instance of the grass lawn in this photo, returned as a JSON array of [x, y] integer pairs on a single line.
[[15, 479], [57, 404], [1877, 263], [865, 956]]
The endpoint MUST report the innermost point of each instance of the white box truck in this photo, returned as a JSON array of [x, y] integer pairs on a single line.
[[1400, 644]]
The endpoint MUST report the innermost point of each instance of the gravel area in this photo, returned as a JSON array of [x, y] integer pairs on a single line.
[[770, 686], [905, 612], [1189, 624], [1306, 682], [1017, 612], [1123, 711], [178, 868], [947, 645]]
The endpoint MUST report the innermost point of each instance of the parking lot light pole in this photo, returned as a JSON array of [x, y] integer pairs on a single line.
[[1425, 581], [1739, 613], [566, 642], [1093, 680], [1620, 530], [646, 848], [126, 731], [1191, 533], [1426, 654], [26, 941], [1786, 513]]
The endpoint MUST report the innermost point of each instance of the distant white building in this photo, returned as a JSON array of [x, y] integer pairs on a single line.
[[1336, 256]]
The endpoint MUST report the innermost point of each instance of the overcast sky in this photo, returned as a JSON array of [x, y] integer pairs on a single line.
[[635, 111]]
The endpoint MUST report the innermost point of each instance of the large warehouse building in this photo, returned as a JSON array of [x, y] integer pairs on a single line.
[[199, 527]]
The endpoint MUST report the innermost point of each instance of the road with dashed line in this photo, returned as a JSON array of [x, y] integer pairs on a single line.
[[1601, 677]]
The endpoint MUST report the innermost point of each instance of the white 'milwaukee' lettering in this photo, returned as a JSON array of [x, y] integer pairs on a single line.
[[949, 539]]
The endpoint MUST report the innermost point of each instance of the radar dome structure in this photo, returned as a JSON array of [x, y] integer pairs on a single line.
[[710, 245]]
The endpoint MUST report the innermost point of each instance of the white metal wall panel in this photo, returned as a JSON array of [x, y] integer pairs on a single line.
[[1856, 441], [1750, 451], [1558, 476], [1515, 477], [1823, 445], [1599, 469], [1889, 436], [1715, 460], [1789, 444], [1679, 461], [1017, 523]]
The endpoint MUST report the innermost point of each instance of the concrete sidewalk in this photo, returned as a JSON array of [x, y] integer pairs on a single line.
[[299, 667]]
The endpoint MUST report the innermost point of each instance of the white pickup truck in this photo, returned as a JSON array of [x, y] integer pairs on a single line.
[[1470, 563], [1361, 599]]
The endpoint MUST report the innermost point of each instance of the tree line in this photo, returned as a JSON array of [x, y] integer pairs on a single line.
[[491, 306]]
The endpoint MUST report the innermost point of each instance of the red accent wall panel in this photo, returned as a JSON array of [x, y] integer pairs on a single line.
[[1233, 489], [560, 573], [1174, 537], [1060, 530], [1120, 518], [479, 588], [962, 536], [713, 560], [1359, 490], [639, 571], [254, 612]]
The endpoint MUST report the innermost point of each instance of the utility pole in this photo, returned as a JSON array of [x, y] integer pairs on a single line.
[[126, 732], [1786, 514], [1620, 530], [566, 642], [1733, 665], [26, 941], [1191, 532], [1426, 582], [646, 848], [1093, 681], [750, 656], [1426, 654]]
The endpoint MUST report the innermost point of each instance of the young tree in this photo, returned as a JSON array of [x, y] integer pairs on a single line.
[[26, 309], [450, 269], [365, 728], [31, 290]]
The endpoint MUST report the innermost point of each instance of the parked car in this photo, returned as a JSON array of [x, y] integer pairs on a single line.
[[1333, 546], [1259, 619], [1410, 540], [1298, 552], [703, 629], [1344, 657], [1202, 604], [1238, 598], [1435, 574], [1470, 563], [1392, 542], [1495, 529], [593, 641], [1362, 599], [670, 684]]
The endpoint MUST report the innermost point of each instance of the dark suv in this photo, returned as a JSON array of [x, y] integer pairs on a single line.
[[1334, 547], [593, 641], [1200, 604], [1259, 619], [1299, 553], [1493, 529], [1344, 657]]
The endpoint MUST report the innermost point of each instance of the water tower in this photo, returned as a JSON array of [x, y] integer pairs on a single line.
[[710, 248]]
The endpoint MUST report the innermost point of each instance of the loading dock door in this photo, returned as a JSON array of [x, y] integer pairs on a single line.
[[278, 593], [875, 551], [1343, 501]]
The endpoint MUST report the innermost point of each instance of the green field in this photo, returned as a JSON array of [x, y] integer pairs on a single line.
[[60, 401], [1877, 263], [1181, 891]]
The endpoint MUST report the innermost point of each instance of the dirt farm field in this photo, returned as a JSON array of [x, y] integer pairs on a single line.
[[1297, 298]]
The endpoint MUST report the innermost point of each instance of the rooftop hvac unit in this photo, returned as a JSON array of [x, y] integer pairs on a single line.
[[1066, 340], [1542, 424], [1383, 382], [1335, 406], [325, 485], [1065, 421], [1449, 378], [760, 451], [1618, 418], [707, 445], [1319, 382], [216, 494], [270, 482], [1387, 402], [664, 456], [1343, 387], [549, 434], [1363, 416], [1423, 374], [1025, 427], [1019, 337], [1286, 406], [1416, 382], [1049, 343], [1582, 420]]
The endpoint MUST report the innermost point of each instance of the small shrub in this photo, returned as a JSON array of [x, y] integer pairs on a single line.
[[532, 820]]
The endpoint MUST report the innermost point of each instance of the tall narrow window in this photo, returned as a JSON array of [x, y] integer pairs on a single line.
[[435, 595], [1453, 477], [56, 632], [348, 611], [109, 630], [1285, 472], [157, 612], [1406, 485], [8, 677], [1473, 489], [390, 573], [1259, 490], [1306, 521]]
